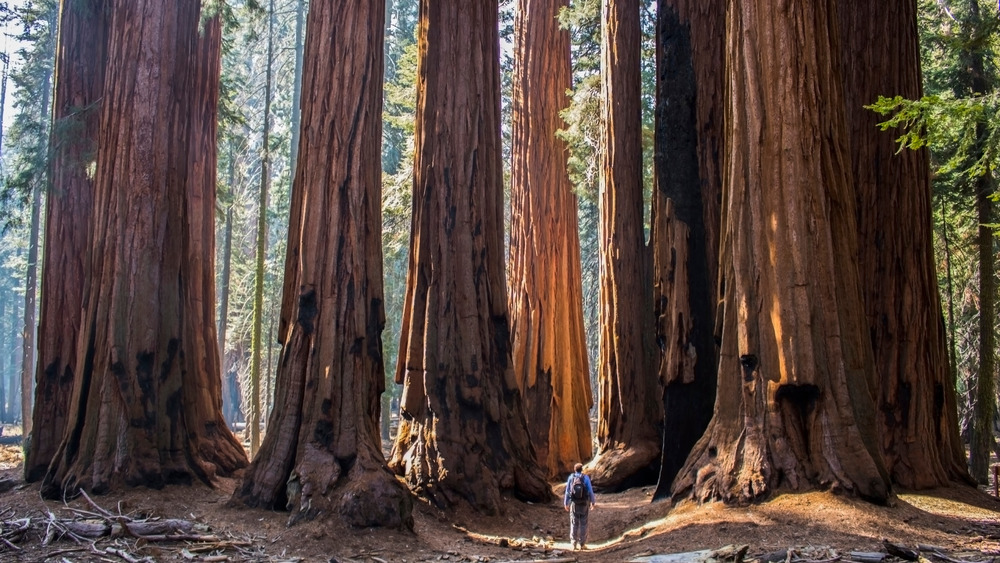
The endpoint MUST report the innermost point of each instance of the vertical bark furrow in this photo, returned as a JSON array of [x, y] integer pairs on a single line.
[[546, 295], [880, 57], [628, 446], [463, 433], [322, 454], [794, 406], [685, 220], [149, 305]]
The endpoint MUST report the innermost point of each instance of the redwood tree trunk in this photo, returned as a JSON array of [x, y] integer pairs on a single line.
[[80, 64], [322, 452], [916, 395], [974, 83], [795, 405], [628, 440], [463, 433], [685, 219], [146, 406], [546, 287]]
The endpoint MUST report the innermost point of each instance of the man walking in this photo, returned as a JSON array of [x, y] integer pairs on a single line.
[[578, 500]]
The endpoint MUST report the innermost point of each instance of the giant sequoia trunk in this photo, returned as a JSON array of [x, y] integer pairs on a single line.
[[685, 219], [916, 396], [628, 439], [80, 61], [546, 288], [975, 82], [794, 407], [146, 406], [322, 452], [463, 433]]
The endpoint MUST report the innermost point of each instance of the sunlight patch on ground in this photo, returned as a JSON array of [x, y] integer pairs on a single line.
[[947, 507], [10, 457]]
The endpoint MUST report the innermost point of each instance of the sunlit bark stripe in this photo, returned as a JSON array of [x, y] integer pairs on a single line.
[[546, 288], [794, 406]]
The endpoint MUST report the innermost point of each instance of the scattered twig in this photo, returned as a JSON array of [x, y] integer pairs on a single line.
[[10, 545], [95, 506]]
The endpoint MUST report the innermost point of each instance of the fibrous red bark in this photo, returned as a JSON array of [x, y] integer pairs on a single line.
[[463, 433], [322, 452], [628, 448], [146, 406], [795, 406], [546, 287], [918, 416], [80, 64]]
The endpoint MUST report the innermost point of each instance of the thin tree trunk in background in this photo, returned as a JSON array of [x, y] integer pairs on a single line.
[[628, 450], [984, 402], [4, 390], [269, 372], [795, 407], [952, 347], [229, 410], [14, 387], [300, 17], [918, 432], [463, 433], [5, 57], [685, 221], [256, 347], [146, 407], [546, 289], [322, 453], [81, 59]]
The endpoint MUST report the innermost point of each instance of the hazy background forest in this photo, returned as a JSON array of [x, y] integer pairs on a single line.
[[258, 138]]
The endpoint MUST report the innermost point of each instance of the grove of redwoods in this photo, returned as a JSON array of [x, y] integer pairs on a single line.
[[753, 240]]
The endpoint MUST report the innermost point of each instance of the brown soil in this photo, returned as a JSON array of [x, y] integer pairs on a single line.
[[623, 526]]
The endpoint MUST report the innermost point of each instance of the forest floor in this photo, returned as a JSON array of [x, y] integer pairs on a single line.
[[960, 524]]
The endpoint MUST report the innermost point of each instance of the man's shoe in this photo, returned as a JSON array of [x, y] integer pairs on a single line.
[[582, 546]]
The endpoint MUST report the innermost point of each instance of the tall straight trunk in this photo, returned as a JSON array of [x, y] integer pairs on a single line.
[[300, 17], [31, 274], [916, 394], [982, 440], [13, 373], [80, 58], [5, 58], [546, 287], [229, 410], [4, 390], [463, 433], [146, 407], [322, 453], [257, 331], [685, 219], [974, 83], [794, 407], [628, 448]]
